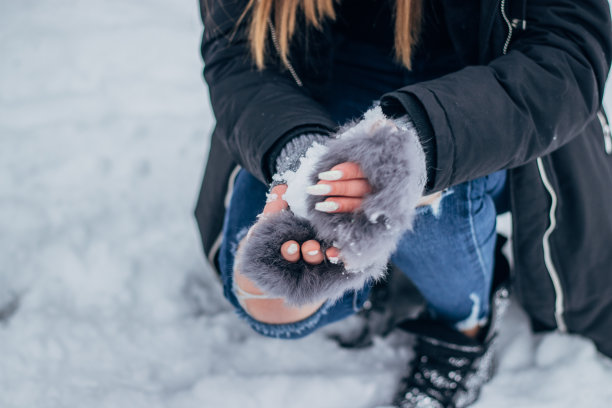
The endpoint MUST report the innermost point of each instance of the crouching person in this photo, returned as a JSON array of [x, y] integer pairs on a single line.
[[465, 110]]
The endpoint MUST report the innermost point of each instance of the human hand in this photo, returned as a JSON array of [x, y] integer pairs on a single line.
[[257, 303], [373, 204], [291, 250], [282, 257], [371, 179], [346, 185]]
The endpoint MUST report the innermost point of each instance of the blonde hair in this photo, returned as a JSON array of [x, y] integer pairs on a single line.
[[407, 25]]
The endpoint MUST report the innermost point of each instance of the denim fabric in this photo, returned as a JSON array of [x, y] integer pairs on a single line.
[[449, 254]]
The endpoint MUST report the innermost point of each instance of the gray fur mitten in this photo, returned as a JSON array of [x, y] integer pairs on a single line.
[[299, 283], [392, 158]]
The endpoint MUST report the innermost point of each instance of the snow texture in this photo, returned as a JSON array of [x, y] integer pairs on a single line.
[[298, 180], [393, 161], [105, 297]]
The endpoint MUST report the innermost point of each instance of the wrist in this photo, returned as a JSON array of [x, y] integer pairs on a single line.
[[291, 154], [270, 157]]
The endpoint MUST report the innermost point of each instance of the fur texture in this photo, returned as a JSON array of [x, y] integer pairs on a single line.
[[391, 156], [300, 283]]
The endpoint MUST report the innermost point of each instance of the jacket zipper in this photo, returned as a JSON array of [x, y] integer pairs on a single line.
[[607, 133], [509, 25], [294, 74], [548, 262]]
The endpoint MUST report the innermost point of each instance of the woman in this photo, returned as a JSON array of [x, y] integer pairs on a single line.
[[504, 99]]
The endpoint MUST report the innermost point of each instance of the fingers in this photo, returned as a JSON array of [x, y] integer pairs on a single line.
[[311, 252], [346, 183], [343, 171], [275, 201], [338, 205], [290, 250], [333, 255], [349, 188]]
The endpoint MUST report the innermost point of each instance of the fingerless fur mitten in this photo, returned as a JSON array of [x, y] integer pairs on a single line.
[[300, 283], [391, 157]]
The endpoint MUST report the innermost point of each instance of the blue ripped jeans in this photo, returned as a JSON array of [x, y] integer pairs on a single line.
[[449, 254]]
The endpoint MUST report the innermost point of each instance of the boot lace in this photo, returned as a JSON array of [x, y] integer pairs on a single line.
[[438, 372]]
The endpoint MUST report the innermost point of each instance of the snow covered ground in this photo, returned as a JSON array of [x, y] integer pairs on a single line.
[[105, 299]]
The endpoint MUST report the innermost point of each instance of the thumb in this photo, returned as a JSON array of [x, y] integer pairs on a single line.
[[275, 202]]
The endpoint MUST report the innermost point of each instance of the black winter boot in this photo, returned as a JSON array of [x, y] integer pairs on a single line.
[[449, 368]]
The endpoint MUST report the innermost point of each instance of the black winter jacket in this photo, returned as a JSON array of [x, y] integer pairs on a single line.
[[529, 101]]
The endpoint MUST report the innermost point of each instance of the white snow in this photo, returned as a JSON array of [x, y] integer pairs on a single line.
[[104, 124], [297, 181]]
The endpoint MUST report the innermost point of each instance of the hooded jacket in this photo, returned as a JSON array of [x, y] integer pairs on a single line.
[[529, 100]]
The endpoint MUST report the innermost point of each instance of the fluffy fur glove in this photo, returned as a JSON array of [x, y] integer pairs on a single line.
[[391, 157], [299, 283]]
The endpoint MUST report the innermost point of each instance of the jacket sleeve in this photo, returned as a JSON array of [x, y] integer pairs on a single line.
[[255, 110], [521, 105]]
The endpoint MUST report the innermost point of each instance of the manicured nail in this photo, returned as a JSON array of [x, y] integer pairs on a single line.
[[318, 189], [330, 175], [313, 252], [292, 249], [334, 259], [327, 206]]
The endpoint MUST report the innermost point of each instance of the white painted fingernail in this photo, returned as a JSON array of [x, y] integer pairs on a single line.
[[330, 175], [292, 249], [334, 259], [327, 206], [313, 253], [318, 189]]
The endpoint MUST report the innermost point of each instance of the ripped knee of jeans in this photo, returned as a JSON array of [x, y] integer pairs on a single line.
[[432, 201]]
